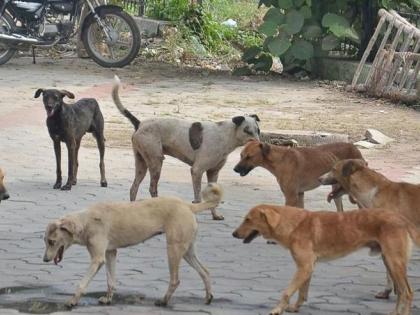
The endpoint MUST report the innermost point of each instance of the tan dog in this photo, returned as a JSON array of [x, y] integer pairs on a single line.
[[296, 169], [373, 190], [4, 195], [103, 228], [324, 235]]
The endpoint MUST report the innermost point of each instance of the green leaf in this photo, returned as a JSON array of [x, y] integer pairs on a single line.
[[306, 12], [330, 19], [329, 42], [294, 22], [274, 15], [264, 63], [342, 32], [416, 3], [312, 31], [268, 28], [278, 46], [302, 49], [285, 4], [251, 53]]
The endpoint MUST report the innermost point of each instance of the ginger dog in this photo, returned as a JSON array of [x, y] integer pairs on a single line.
[[296, 169], [373, 190], [313, 236], [103, 228], [4, 195]]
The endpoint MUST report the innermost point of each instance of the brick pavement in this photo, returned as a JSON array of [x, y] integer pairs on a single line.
[[247, 279]]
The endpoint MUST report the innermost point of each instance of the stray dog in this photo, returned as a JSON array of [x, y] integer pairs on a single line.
[[103, 228], [373, 190], [202, 145], [4, 195], [324, 235], [296, 169], [69, 123]]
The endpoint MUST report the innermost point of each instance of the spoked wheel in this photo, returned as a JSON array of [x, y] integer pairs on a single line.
[[114, 41], [6, 27]]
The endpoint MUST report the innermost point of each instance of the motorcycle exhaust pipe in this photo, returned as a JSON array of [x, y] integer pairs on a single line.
[[17, 38]]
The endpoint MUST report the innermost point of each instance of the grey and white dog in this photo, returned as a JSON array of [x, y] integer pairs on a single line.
[[202, 145]]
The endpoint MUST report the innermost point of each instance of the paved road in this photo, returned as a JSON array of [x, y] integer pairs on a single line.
[[247, 279]]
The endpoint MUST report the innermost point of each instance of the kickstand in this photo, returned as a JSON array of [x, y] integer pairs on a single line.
[[33, 55]]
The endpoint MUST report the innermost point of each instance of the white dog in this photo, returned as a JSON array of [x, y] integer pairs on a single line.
[[202, 145], [105, 227]]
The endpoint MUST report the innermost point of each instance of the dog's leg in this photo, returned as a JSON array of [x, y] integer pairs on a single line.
[[212, 177], [141, 170], [196, 176], [303, 297], [301, 200], [339, 204], [76, 161], [389, 285], [191, 258], [101, 147], [95, 264], [154, 169], [57, 151], [71, 147], [110, 260], [305, 261], [175, 252]]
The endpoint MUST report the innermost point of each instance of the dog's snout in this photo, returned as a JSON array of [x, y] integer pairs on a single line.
[[6, 196], [45, 259], [236, 169], [235, 234]]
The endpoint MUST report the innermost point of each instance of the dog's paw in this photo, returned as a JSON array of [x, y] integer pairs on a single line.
[[105, 300], [74, 182], [57, 185], [71, 303], [276, 311], [292, 309], [104, 184], [218, 217], [66, 187], [161, 303], [383, 295], [209, 299]]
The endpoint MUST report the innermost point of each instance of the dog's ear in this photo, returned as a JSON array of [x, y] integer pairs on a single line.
[[271, 217], [352, 166], [38, 93], [68, 226], [67, 93], [238, 120], [255, 117], [265, 149]]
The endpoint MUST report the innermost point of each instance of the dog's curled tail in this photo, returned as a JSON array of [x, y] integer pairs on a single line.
[[212, 195], [120, 106]]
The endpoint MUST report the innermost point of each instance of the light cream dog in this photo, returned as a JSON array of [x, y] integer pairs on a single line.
[[3, 191], [202, 145], [323, 235], [373, 190], [105, 227]]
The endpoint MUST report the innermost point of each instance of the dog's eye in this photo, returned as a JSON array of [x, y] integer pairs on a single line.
[[51, 242]]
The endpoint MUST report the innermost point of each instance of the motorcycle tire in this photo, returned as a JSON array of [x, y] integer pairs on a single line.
[[7, 54], [96, 55]]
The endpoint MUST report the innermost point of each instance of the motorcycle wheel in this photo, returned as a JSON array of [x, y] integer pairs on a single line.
[[123, 43], [6, 26]]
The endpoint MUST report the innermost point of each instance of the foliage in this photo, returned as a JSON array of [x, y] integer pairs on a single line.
[[172, 10], [297, 30]]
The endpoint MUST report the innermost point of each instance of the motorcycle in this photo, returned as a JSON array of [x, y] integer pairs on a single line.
[[110, 35]]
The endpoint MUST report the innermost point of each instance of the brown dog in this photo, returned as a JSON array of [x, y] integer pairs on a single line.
[[312, 236], [3, 191], [297, 169], [373, 190]]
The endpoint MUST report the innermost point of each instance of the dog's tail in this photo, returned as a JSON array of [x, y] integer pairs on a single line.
[[413, 232], [120, 106], [212, 195]]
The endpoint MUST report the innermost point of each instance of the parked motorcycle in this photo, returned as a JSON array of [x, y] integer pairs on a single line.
[[110, 36]]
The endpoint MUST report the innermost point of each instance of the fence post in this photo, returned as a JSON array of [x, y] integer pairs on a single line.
[[369, 13]]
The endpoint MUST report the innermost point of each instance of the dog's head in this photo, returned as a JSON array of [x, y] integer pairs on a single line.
[[246, 128], [3, 191], [252, 155], [260, 220], [53, 99], [59, 236], [341, 176]]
